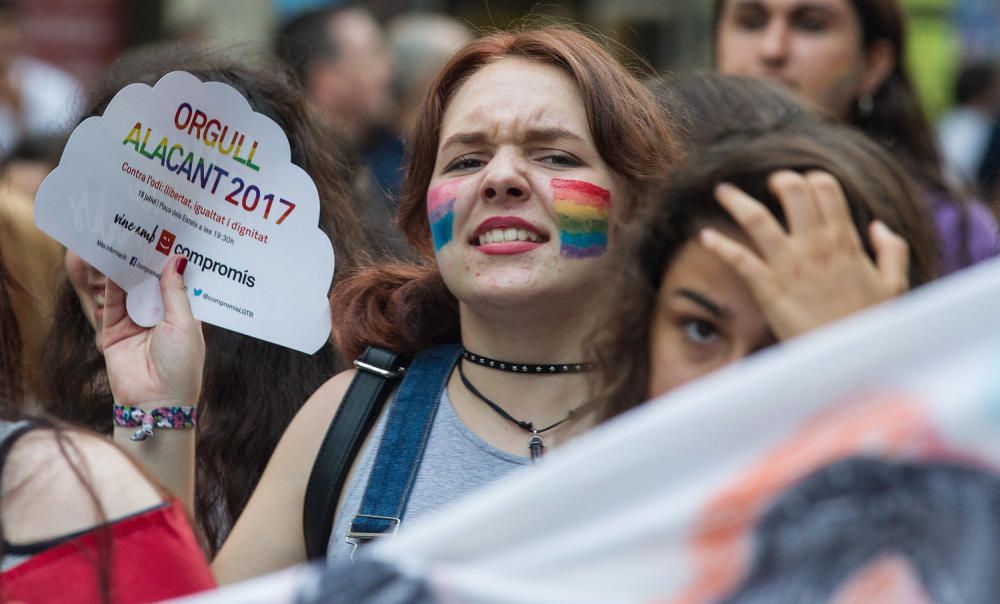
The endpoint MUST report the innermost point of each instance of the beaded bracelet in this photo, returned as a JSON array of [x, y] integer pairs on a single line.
[[159, 417]]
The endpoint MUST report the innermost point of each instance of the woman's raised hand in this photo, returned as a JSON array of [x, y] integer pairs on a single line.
[[162, 364], [817, 270]]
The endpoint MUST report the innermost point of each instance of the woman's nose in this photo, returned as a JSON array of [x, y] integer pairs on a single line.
[[775, 44], [504, 180], [492, 192]]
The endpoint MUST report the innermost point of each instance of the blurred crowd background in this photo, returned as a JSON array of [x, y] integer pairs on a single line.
[[389, 48], [82, 36]]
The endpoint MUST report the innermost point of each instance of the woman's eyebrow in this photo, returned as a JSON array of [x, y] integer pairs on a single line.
[[464, 138], [535, 135], [531, 135], [701, 300]]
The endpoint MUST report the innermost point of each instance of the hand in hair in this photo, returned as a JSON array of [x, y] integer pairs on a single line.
[[162, 364], [817, 270]]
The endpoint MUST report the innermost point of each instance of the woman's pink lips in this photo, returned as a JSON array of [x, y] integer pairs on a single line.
[[507, 247]]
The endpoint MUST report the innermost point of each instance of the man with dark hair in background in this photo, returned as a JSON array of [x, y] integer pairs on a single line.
[[341, 57]]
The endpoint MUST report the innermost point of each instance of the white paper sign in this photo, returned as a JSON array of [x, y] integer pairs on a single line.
[[187, 167]]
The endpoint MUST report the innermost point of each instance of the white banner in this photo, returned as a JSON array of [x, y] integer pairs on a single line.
[[856, 464]]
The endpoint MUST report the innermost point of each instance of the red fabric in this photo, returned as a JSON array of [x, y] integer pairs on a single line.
[[153, 556]]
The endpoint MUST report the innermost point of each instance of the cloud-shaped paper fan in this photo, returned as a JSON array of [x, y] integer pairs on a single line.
[[188, 167]]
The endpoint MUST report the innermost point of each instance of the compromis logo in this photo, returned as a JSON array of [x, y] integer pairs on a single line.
[[243, 277], [166, 240]]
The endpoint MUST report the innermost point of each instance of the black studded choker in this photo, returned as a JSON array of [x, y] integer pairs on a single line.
[[547, 369]]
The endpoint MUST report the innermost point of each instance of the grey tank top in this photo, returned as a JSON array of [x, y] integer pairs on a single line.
[[456, 462]]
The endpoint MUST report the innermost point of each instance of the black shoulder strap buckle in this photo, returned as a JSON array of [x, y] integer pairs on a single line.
[[378, 371]]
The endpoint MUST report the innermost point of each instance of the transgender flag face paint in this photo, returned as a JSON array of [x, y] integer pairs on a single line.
[[582, 209], [441, 212]]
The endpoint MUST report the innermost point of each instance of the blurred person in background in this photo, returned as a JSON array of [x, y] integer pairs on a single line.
[[846, 58], [964, 131], [341, 58], [988, 173], [421, 44], [36, 98], [27, 165], [33, 259]]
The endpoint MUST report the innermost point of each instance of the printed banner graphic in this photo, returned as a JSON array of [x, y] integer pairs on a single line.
[[187, 167]]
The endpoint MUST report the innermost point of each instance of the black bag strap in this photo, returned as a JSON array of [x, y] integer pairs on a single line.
[[378, 371]]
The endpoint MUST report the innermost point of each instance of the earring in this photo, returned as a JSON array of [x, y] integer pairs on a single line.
[[866, 104]]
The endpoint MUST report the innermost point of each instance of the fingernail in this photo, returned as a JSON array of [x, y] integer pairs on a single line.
[[707, 236], [723, 187], [182, 265]]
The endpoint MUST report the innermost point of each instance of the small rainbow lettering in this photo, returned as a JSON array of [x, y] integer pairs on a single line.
[[582, 209], [441, 212]]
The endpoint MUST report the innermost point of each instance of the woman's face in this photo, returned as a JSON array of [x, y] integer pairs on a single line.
[[812, 46], [520, 198], [88, 283], [705, 318]]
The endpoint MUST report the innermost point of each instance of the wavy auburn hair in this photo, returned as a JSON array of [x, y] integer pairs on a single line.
[[631, 134]]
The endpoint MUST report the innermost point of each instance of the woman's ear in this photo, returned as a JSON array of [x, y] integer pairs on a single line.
[[880, 61]]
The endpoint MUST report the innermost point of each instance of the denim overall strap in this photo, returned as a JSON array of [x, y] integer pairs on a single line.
[[407, 428]]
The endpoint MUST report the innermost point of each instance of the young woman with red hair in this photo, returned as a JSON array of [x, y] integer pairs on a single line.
[[531, 146]]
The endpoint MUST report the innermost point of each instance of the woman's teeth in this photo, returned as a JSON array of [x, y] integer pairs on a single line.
[[511, 234], [99, 299]]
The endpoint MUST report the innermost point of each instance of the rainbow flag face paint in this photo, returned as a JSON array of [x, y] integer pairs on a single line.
[[441, 212], [582, 210]]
